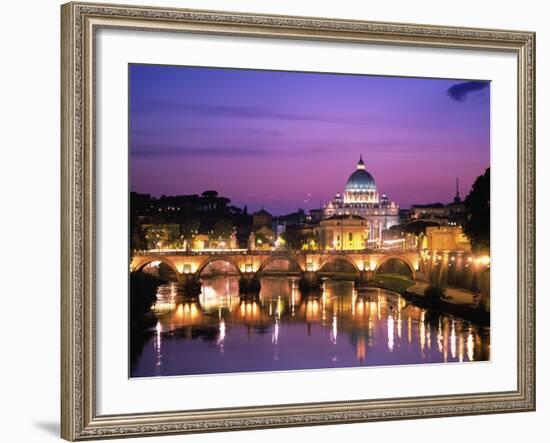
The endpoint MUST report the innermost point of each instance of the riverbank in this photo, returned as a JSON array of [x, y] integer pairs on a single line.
[[391, 282], [459, 303], [455, 296]]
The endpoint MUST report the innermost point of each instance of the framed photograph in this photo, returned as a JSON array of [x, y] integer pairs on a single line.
[[283, 221]]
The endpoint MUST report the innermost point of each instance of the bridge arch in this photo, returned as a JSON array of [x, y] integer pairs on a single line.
[[399, 258], [334, 258], [214, 259], [274, 258], [148, 260]]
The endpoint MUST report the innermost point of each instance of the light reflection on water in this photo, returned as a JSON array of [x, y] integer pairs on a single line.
[[281, 329]]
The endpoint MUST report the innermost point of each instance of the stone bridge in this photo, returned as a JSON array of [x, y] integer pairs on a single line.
[[255, 263]]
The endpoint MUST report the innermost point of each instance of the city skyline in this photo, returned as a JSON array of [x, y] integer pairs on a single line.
[[356, 283], [197, 129]]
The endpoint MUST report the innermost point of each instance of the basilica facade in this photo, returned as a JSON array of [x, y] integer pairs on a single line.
[[356, 218]]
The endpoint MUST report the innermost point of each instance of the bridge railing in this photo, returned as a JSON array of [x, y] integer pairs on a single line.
[[164, 252]]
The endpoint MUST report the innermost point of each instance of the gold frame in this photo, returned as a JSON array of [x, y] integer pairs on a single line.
[[80, 21]]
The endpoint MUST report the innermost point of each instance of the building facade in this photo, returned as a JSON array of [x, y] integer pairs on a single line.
[[344, 233], [361, 199], [443, 214], [262, 218], [447, 238]]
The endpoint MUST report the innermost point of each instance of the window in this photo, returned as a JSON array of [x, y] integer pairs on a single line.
[[350, 236]]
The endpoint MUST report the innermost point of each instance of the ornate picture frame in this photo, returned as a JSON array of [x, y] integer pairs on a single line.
[[80, 22]]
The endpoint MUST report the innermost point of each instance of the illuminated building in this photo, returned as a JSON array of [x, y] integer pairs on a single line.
[[200, 242], [447, 238], [396, 239], [204, 242], [432, 211], [261, 239], [361, 200], [344, 232]]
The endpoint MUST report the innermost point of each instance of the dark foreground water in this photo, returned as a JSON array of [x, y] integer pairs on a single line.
[[219, 332]]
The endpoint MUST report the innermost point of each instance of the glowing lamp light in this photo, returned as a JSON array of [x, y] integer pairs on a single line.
[[485, 260]]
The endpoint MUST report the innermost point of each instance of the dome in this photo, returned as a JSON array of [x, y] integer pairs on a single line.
[[360, 180]]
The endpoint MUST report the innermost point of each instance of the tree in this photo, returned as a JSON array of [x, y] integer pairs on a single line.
[[143, 290], [294, 239], [222, 229], [164, 235], [477, 224], [189, 228], [297, 239], [418, 227]]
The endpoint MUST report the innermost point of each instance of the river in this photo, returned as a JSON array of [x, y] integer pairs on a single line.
[[220, 332]]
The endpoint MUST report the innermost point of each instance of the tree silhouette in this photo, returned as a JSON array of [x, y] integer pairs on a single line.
[[477, 225], [222, 229]]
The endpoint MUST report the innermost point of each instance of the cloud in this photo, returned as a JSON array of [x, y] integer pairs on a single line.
[[146, 147], [460, 91], [192, 151], [234, 111], [154, 132], [166, 150]]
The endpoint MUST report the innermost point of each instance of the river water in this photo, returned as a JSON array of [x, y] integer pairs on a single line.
[[219, 332]]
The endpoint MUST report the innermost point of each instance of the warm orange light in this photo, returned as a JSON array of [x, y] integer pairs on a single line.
[[484, 260]]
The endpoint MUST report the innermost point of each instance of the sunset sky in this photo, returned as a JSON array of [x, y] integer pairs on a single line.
[[289, 140]]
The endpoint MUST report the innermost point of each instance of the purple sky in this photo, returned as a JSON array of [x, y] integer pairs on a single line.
[[289, 140]]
